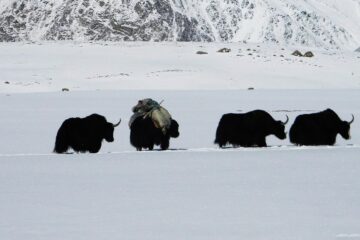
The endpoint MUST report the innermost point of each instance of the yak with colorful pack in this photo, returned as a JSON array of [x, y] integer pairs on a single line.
[[151, 124]]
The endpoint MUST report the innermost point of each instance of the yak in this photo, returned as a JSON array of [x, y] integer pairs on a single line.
[[84, 134], [319, 128], [144, 134], [248, 129]]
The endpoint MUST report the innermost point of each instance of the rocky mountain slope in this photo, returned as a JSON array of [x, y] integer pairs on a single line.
[[315, 23]]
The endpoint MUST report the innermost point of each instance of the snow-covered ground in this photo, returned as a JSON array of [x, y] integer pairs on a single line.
[[86, 66], [194, 190]]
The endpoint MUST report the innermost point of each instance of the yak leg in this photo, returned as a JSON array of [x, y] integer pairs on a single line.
[[138, 148], [222, 144], [164, 144], [95, 148], [61, 148], [262, 142]]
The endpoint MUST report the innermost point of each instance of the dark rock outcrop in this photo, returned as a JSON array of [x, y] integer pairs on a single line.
[[175, 20]]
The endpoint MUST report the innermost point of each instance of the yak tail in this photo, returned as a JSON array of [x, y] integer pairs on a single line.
[[221, 137], [294, 134], [61, 143], [218, 137]]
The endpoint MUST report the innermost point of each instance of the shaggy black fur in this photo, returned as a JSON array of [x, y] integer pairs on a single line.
[[248, 129], [83, 134], [318, 128], [144, 134]]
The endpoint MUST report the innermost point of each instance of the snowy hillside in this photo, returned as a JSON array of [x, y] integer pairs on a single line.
[[171, 66], [316, 23]]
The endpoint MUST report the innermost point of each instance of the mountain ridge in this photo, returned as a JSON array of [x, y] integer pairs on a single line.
[[313, 23]]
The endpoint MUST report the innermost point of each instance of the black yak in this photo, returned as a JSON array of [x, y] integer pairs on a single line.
[[248, 129], [84, 134], [319, 128], [144, 134]]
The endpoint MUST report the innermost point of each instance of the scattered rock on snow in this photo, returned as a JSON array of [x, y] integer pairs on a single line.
[[224, 50], [7, 82], [297, 53], [308, 54], [65, 90], [201, 52]]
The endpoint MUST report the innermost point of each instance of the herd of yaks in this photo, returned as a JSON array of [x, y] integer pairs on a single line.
[[237, 129]]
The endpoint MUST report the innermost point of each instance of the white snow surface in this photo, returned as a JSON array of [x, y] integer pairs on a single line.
[[50, 66], [194, 190]]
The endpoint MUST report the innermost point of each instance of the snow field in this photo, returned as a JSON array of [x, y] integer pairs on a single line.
[[52, 66], [195, 190], [307, 194]]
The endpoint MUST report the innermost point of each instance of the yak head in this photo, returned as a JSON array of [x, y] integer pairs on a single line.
[[279, 128], [109, 131], [345, 128], [174, 129]]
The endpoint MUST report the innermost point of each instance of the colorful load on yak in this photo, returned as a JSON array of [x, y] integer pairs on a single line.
[[150, 108]]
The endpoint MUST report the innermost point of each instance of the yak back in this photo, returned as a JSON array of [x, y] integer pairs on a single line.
[[91, 127], [257, 119], [95, 123], [326, 119]]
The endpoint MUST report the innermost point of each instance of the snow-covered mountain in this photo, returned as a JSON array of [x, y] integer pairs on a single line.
[[316, 23]]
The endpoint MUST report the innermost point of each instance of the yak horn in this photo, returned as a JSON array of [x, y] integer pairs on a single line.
[[352, 120], [117, 124], [287, 120]]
